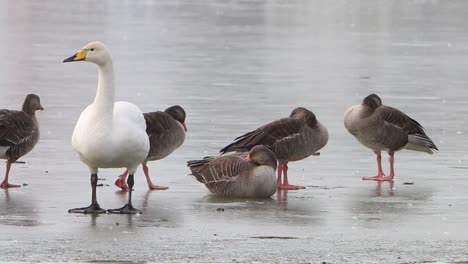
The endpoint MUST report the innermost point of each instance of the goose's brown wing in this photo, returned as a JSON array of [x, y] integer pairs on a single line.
[[219, 169], [268, 135], [395, 119], [400, 119], [15, 126], [158, 122]]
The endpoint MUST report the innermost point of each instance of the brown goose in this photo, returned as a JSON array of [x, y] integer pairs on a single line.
[[384, 128], [291, 139], [19, 133], [238, 175], [166, 131]]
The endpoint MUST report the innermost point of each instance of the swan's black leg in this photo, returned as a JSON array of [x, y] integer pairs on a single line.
[[94, 208], [128, 208]]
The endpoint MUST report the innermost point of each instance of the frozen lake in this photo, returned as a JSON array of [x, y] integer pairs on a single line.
[[235, 65]]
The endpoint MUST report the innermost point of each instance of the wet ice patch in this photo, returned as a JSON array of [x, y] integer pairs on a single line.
[[18, 221], [422, 44], [273, 237]]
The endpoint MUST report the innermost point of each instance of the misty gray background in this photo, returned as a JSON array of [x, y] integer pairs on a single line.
[[235, 65]]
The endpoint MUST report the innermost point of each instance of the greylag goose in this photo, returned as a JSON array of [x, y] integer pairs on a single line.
[[108, 134], [384, 128], [291, 139], [166, 132], [238, 174], [19, 133]]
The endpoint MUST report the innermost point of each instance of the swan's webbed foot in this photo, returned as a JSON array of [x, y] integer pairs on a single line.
[[126, 209], [92, 209]]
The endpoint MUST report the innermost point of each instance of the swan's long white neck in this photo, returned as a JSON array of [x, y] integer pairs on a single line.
[[104, 101]]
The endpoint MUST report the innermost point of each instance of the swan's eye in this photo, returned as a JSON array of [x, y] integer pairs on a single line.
[[91, 49]]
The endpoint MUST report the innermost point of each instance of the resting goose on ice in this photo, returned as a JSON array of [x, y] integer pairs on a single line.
[[239, 175], [108, 134], [19, 133], [384, 128], [291, 139], [166, 132]]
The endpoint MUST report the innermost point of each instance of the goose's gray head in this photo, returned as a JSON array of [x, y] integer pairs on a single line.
[[95, 52], [261, 155], [304, 114], [372, 101], [31, 104], [178, 113]]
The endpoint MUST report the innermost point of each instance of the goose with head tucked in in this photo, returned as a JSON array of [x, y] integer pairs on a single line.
[[166, 132], [242, 175], [384, 128], [108, 134], [19, 133], [291, 139]]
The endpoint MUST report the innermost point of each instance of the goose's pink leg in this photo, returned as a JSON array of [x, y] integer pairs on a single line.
[[286, 185], [121, 183], [380, 173], [280, 171], [392, 171], [5, 184], [151, 186]]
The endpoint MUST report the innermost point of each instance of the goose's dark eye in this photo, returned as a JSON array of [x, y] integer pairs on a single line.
[[91, 49]]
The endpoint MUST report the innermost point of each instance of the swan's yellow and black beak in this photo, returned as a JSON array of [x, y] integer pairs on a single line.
[[79, 56]]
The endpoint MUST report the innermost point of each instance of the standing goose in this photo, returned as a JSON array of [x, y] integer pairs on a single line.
[[19, 133], [108, 134], [238, 175], [166, 132], [291, 139], [384, 128]]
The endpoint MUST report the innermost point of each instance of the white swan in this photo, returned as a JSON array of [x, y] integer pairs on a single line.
[[108, 134]]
